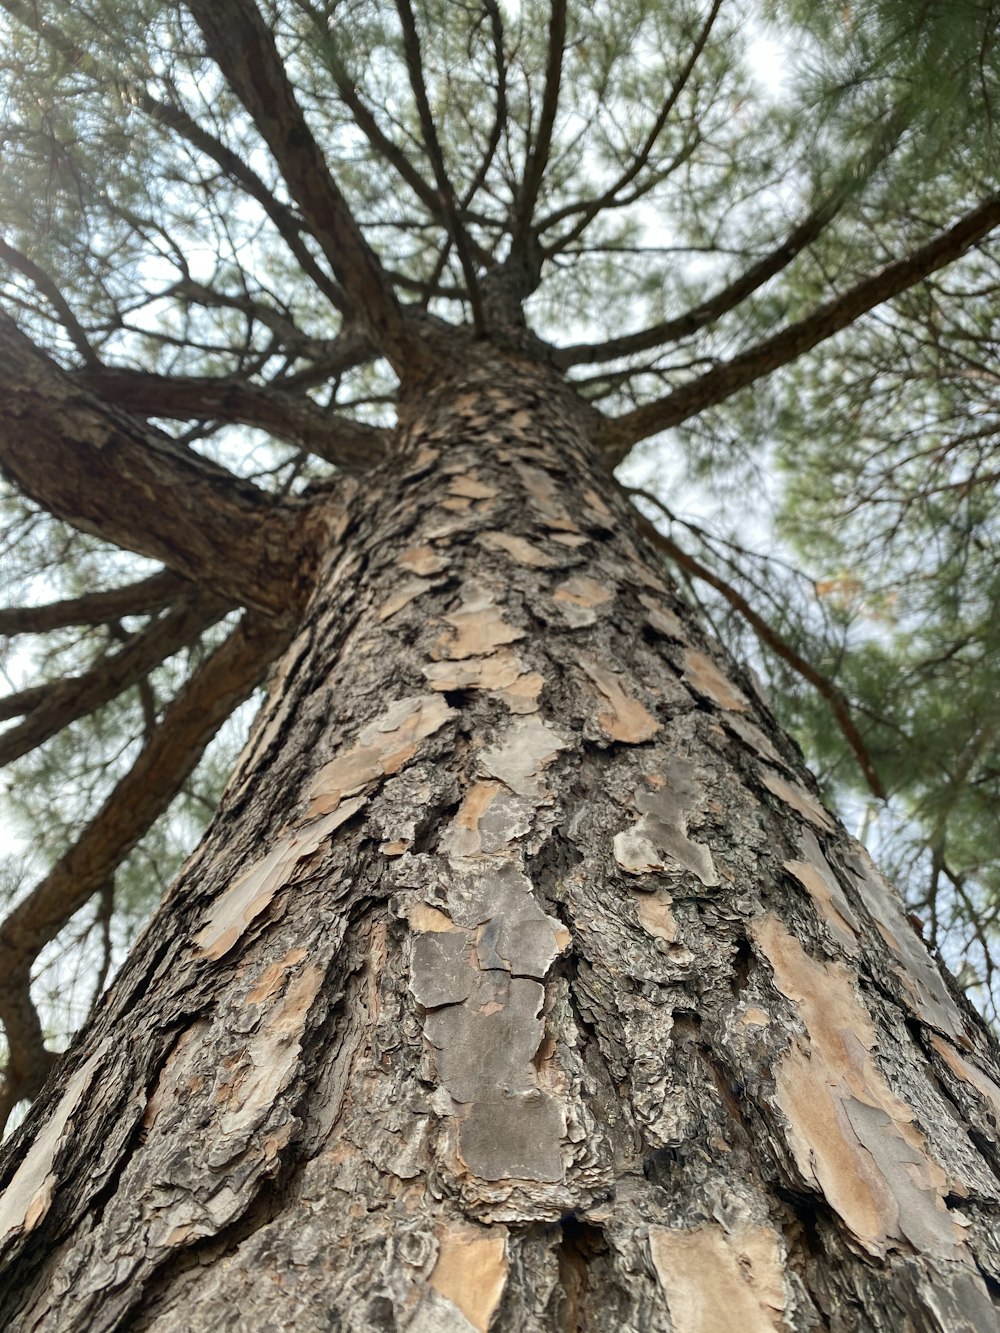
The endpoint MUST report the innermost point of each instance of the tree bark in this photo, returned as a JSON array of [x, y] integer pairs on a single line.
[[522, 981]]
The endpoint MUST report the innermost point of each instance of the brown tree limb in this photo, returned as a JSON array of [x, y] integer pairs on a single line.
[[448, 203], [735, 292], [589, 209], [295, 418], [241, 44], [94, 608], [28, 1059], [791, 342], [768, 635], [500, 105], [47, 286], [538, 154], [106, 472], [179, 121], [377, 138], [219, 685], [48, 708], [293, 340], [724, 300], [285, 222]]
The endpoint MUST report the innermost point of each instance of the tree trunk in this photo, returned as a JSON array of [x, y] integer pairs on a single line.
[[522, 981]]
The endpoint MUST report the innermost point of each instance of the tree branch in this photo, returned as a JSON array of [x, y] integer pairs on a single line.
[[175, 118], [839, 706], [105, 472], [45, 284], [724, 300], [446, 193], [240, 43], [620, 433], [500, 107], [28, 1059], [48, 708], [538, 154], [370, 128], [94, 608], [285, 222], [590, 209], [735, 292], [295, 418], [219, 685]]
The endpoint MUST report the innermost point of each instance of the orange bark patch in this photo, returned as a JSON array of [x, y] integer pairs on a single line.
[[655, 916], [381, 748], [422, 560], [248, 896], [581, 591], [702, 673], [796, 796], [502, 674], [471, 488], [754, 1016], [594, 501], [471, 1270], [752, 735], [522, 695], [518, 548], [815, 875], [852, 1138], [28, 1195], [475, 803], [273, 978], [577, 598], [273, 1053], [662, 620], [424, 918], [717, 1280], [405, 594], [623, 718], [478, 673], [476, 632], [968, 1073]]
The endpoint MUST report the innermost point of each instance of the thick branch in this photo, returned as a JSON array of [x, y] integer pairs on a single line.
[[94, 608], [500, 109], [590, 209], [295, 418], [165, 763], [175, 118], [286, 223], [538, 155], [103, 471], [446, 191], [724, 300], [46, 709], [793, 341], [240, 43], [839, 706], [49, 289], [28, 1059]]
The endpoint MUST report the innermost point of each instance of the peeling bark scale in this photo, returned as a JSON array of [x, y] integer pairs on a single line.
[[522, 981]]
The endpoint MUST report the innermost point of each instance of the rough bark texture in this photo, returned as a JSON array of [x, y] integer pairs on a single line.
[[522, 981], [105, 471]]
